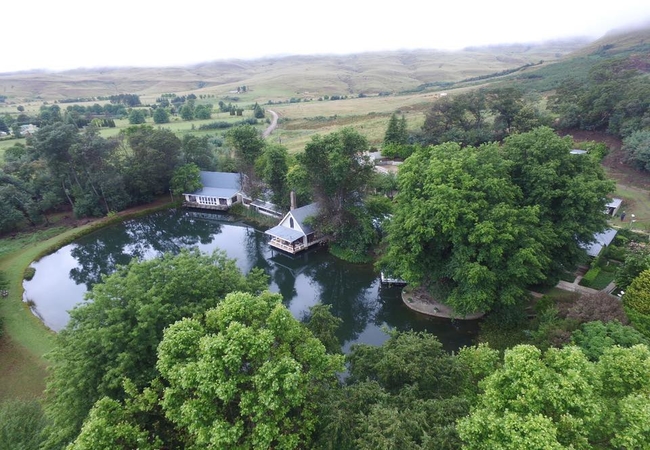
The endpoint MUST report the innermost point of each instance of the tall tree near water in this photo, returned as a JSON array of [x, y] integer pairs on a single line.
[[338, 173], [458, 228], [52, 143], [248, 376], [114, 336], [273, 167], [478, 226], [150, 158], [197, 150], [569, 190], [247, 145]]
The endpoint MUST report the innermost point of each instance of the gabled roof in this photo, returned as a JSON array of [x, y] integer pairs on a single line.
[[600, 240], [615, 203], [300, 214], [219, 184]]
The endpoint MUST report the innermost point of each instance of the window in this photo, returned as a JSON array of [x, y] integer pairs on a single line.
[[291, 222]]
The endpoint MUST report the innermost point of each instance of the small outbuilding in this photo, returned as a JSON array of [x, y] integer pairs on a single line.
[[601, 240], [293, 234], [612, 207], [220, 191]]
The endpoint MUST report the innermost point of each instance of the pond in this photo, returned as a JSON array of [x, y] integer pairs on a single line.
[[354, 292]]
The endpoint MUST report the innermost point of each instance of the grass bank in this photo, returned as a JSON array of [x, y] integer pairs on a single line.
[[26, 340]]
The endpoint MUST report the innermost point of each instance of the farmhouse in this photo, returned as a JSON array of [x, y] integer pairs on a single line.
[[293, 234], [220, 191]]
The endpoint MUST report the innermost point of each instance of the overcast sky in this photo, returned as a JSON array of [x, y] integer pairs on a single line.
[[65, 34]]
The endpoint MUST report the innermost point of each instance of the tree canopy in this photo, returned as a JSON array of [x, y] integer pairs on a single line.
[[244, 375], [114, 335], [560, 399], [248, 376], [338, 172], [479, 225]]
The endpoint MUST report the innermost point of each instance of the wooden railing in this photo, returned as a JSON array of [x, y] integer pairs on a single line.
[[277, 243], [204, 206]]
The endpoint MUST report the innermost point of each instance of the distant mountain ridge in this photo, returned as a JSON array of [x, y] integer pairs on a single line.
[[280, 78]]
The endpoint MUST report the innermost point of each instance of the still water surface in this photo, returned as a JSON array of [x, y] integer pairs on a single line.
[[354, 291]]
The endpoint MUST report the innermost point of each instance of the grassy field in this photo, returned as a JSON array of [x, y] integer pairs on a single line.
[[281, 78], [635, 201], [25, 341]]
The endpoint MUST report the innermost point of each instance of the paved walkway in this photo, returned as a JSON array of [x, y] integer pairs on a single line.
[[575, 287]]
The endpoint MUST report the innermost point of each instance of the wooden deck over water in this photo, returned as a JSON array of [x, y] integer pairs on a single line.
[[204, 206]]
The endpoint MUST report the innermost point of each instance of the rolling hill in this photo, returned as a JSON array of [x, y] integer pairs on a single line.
[[284, 77]]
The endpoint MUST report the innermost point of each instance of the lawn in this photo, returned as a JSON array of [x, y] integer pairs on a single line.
[[603, 276], [635, 201], [6, 143]]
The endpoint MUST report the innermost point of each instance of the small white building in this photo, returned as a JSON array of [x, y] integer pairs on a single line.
[[220, 191], [612, 207], [293, 234]]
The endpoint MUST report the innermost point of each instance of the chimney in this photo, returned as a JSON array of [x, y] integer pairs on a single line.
[[293, 201]]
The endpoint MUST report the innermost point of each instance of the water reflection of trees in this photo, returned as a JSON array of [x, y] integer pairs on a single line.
[[391, 311], [143, 238], [349, 289]]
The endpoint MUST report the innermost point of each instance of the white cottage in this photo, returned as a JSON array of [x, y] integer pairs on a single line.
[[293, 235], [220, 191]]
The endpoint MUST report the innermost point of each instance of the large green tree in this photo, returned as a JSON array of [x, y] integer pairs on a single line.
[[247, 145], [186, 179], [136, 117], [114, 335], [459, 229], [479, 225], [248, 375], [198, 150], [338, 173], [569, 191], [160, 115], [560, 399], [150, 157], [273, 166]]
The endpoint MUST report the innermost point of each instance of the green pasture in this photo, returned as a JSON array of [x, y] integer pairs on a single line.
[[635, 201], [6, 143], [180, 127]]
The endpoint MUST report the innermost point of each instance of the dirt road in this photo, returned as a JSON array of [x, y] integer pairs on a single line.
[[273, 126]]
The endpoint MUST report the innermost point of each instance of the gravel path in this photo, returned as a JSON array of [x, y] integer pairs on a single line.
[[273, 126]]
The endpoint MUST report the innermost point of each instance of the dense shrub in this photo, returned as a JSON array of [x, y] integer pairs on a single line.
[[594, 337], [29, 273], [21, 425], [593, 307]]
